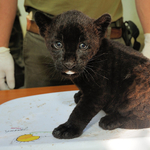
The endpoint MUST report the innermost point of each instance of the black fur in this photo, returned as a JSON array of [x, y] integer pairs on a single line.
[[110, 76]]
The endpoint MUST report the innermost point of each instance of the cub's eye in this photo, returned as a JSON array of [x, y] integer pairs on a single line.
[[58, 45], [83, 46]]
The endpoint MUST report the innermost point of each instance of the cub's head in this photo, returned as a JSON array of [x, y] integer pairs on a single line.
[[72, 39]]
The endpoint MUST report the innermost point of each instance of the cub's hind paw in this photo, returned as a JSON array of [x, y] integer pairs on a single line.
[[109, 123], [66, 131]]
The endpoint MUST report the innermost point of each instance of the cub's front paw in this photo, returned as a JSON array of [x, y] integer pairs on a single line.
[[66, 131]]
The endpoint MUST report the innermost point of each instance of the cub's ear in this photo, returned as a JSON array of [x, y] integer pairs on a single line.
[[42, 22], [102, 23]]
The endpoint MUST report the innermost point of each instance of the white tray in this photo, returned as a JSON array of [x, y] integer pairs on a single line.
[[27, 124]]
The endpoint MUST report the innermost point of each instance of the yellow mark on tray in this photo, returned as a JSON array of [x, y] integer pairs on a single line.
[[27, 138]]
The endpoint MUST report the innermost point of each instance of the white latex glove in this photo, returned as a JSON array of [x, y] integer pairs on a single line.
[[146, 49], [7, 80]]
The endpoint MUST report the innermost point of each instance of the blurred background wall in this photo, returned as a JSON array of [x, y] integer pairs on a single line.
[[129, 13]]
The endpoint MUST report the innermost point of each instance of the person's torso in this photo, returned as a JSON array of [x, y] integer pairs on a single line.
[[92, 8]]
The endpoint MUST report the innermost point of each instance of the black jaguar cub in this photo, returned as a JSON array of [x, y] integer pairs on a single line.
[[110, 76]]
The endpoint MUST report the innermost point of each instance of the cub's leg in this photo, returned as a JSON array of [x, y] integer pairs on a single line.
[[79, 118], [115, 120], [136, 123], [134, 110], [77, 97]]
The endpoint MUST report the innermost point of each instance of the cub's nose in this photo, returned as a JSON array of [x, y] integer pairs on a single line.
[[69, 64]]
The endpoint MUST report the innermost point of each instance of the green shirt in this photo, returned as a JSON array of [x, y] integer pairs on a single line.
[[92, 8]]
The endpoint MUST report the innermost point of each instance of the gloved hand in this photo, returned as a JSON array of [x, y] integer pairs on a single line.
[[146, 49], [7, 80]]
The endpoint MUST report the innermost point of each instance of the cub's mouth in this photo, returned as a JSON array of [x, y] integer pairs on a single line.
[[70, 73]]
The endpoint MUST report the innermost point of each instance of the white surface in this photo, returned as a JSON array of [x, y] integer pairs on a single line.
[[38, 115]]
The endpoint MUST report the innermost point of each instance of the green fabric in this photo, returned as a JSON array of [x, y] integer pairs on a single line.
[[92, 8]]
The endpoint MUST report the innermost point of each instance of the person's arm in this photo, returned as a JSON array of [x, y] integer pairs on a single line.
[[8, 9], [143, 9]]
